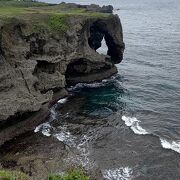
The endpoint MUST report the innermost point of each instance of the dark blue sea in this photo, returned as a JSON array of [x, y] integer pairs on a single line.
[[132, 124]]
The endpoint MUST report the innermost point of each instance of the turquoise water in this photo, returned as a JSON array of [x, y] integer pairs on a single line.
[[141, 105]]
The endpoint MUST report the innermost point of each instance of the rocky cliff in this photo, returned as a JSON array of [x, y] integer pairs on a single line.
[[41, 56]]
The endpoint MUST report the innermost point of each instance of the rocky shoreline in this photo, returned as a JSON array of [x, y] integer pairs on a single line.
[[38, 154]]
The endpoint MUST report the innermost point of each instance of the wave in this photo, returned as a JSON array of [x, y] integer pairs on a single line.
[[118, 173], [62, 101], [102, 83], [133, 123], [45, 128], [173, 145], [80, 144], [88, 85]]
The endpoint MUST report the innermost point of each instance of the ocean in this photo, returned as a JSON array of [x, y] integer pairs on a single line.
[[129, 124]]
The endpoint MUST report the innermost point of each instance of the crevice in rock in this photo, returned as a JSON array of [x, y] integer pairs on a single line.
[[77, 68], [25, 81], [1, 50], [80, 70], [37, 46], [44, 66], [12, 120], [18, 31]]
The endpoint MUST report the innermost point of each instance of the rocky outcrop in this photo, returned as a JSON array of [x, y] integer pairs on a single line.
[[92, 7], [33, 65]]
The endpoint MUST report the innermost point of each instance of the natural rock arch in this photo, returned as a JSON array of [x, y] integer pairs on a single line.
[[100, 30]]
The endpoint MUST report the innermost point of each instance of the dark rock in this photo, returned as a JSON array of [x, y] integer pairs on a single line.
[[97, 8], [92, 7]]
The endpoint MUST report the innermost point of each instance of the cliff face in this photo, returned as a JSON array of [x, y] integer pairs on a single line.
[[34, 64]]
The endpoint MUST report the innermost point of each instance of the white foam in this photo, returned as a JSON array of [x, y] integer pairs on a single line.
[[118, 174], [77, 143], [37, 129], [90, 85], [81, 144], [66, 137], [53, 112], [133, 123], [45, 128], [173, 145], [62, 101]]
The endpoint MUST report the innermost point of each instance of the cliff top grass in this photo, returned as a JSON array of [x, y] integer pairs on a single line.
[[26, 8], [43, 15]]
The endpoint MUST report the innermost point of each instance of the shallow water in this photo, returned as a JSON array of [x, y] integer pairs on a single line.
[[138, 131]]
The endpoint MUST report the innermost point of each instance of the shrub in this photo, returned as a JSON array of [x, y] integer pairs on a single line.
[[58, 22], [71, 175], [12, 175]]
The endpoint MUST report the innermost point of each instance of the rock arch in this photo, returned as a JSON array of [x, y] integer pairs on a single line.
[[112, 34]]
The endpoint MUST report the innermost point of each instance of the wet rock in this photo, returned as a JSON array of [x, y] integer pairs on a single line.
[[26, 153]]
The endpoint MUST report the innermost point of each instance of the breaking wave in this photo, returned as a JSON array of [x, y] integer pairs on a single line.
[[45, 128], [133, 123], [62, 101], [173, 145]]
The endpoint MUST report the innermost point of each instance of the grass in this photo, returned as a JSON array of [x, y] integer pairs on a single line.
[[42, 15], [13, 8], [75, 174], [58, 22], [71, 175], [16, 3], [12, 175]]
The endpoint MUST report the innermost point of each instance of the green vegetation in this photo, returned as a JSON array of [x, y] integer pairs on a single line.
[[58, 22], [14, 8], [12, 175], [42, 15], [76, 174], [71, 175], [16, 3]]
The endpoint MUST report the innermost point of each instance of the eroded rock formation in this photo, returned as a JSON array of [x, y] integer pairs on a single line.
[[34, 65]]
